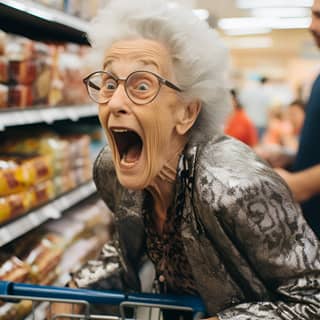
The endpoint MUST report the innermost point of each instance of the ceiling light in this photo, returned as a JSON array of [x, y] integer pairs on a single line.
[[273, 23], [249, 43], [291, 23], [251, 31], [281, 12], [249, 4]]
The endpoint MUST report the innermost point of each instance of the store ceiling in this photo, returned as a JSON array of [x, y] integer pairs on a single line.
[[219, 9], [254, 36]]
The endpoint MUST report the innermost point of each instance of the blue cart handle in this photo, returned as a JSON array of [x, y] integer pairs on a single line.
[[12, 289]]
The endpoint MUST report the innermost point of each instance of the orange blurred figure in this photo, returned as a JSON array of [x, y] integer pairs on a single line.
[[239, 124]]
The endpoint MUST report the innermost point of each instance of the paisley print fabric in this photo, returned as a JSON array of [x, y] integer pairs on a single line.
[[249, 249], [166, 251]]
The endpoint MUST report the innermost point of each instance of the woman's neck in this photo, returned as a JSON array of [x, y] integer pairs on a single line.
[[162, 189]]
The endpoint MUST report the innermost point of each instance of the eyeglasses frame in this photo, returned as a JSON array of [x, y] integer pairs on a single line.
[[161, 80]]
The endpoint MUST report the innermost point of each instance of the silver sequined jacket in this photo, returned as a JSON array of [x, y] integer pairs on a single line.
[[251, 252]]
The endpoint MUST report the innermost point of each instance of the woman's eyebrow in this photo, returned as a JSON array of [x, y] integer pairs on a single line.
[[107, 63]]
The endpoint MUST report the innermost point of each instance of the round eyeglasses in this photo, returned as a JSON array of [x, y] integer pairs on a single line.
[[141, 87]]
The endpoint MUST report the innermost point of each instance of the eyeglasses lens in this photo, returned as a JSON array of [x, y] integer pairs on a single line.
[[141, 87]]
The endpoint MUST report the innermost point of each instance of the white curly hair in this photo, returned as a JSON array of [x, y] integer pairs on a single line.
[[199, 56]]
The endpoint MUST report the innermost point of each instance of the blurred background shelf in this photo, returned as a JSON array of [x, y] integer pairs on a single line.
[[39, 22], [52, 210], [17, 117]]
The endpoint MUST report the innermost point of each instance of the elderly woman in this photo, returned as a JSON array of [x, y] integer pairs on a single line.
[[214, 220]]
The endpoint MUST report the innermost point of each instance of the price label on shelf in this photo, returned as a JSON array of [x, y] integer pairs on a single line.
[[52, 212], [73, 113], [5, 236], [29, 116], [46, 116]]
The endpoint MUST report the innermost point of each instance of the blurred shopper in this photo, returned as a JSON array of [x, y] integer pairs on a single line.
[[279, 129], [214, 220], [256, 99], [239, 125], [308, 154], [295, 113], [279, 144]]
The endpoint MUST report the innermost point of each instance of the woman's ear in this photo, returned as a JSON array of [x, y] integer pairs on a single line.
[[188, 117]]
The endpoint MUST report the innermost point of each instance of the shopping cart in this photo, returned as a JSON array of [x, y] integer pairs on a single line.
[[142, 305]]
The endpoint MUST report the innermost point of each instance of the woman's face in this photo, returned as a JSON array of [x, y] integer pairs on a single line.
[[142, 137]]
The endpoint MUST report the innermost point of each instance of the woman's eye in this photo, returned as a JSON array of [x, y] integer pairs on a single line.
[[110, 85], [143, 86]]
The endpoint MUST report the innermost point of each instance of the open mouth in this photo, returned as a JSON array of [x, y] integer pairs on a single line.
[[129, 145]]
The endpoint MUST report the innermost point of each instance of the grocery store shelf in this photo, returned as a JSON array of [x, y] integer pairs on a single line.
[[39, 22], [17, 117], [40, 311], [52, 210]]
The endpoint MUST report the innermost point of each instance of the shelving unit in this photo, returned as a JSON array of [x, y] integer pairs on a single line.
[[17, 117], [42, 23], [52, 210], [39, 22]]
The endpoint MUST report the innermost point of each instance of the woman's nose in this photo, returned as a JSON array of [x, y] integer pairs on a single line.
[[118, 104]]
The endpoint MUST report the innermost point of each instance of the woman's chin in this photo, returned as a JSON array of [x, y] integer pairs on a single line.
[[131, 184], [133, 181]]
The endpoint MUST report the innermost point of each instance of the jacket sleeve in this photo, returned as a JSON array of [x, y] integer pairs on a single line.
[[264, 230], [269, 230], [119, 261]]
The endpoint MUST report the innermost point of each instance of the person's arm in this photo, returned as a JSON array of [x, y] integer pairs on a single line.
[[303, 184], [269, 230]]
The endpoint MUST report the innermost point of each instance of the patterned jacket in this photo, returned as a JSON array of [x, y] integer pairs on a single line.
[[251, 252]]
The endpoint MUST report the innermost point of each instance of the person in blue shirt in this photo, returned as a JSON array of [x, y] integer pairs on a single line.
[[304, 180]]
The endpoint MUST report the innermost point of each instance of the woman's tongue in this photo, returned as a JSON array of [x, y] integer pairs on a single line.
[[132, 154]]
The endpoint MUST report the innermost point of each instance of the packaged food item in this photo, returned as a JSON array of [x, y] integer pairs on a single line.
[[16, 311], [14, 270], [64, 183], [92, 215], [56, 88], [50, 277], [20, 96], [41, 143], [38, 168], [19, 48], [80, 252], [2, 42], [4, 66], [18, 173], [12, 176], [23, 308], [8, 311], [69, 229], [22, 71], [42, 83], [79, 145], [14, 205], [3, 95], [44, 257], [42, 193], [71, 75]]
